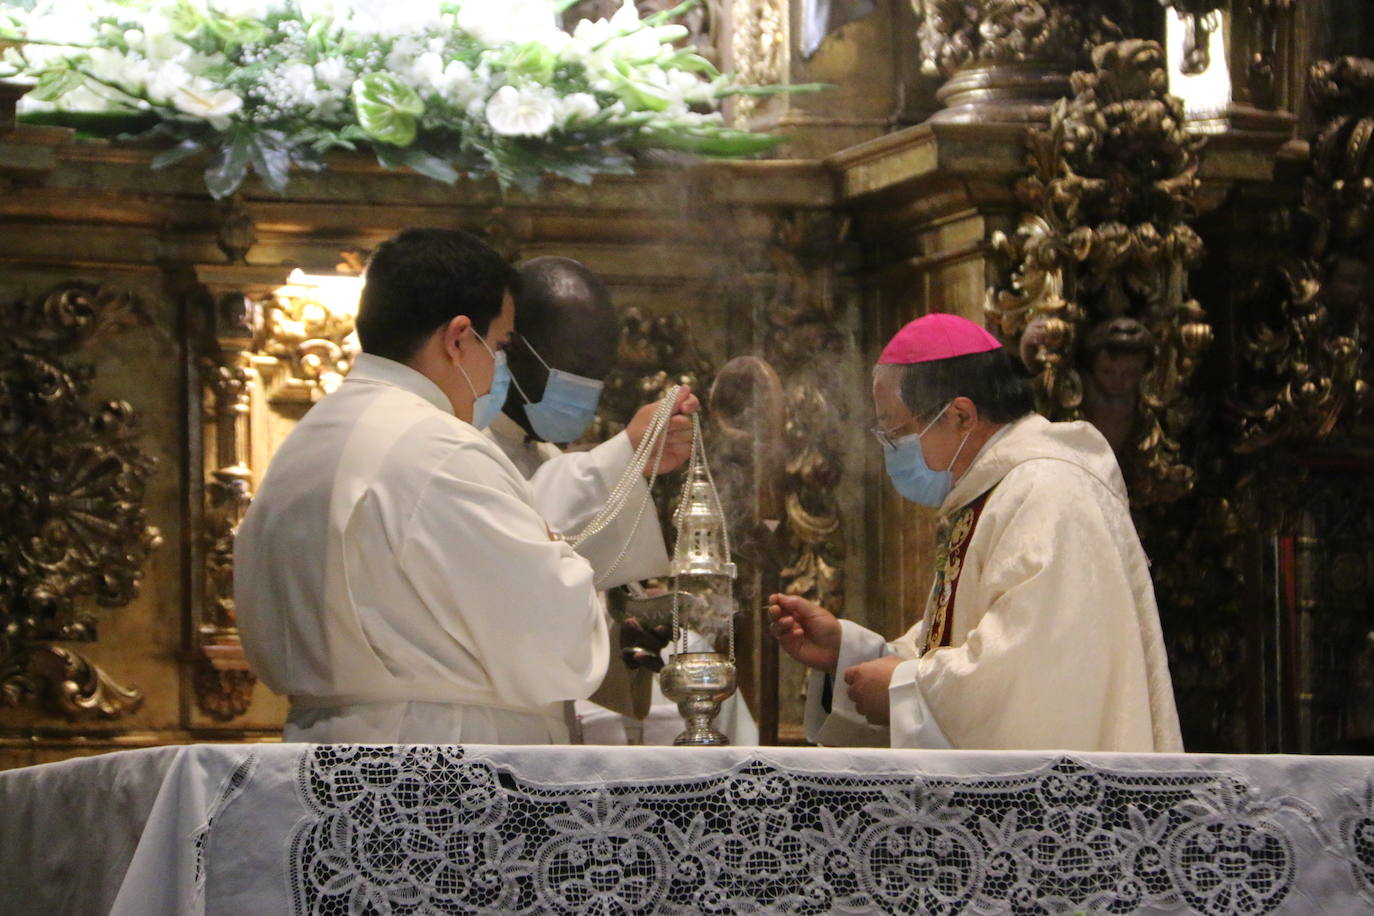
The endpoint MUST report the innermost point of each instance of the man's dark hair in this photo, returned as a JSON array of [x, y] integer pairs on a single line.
[[988, 379], [420, 279], [563, 311]]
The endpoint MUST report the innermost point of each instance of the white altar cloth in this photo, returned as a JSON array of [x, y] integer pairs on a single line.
[[256, 829]]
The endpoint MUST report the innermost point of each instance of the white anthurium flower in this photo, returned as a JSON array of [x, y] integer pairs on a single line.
[[513, 112], [217, 106], [577, 106]]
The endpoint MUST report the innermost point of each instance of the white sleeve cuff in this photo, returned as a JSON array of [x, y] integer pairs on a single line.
[[611, 458], [912, 722], [844, 725]]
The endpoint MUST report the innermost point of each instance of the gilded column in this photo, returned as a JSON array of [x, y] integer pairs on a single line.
[[222, 683], [1008, 60]]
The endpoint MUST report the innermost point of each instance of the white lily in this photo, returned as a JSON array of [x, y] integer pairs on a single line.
[[514, 112]]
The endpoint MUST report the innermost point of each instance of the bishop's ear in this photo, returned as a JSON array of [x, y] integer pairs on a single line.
[[965, 413]]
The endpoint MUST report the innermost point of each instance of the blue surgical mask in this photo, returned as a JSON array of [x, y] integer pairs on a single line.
[[485, 407], [567, 407], [911, 476]]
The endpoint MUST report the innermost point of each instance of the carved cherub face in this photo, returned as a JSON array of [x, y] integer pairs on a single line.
[[1118, 375]]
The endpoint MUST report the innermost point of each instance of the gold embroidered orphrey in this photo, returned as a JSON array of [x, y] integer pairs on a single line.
[[951, 546]]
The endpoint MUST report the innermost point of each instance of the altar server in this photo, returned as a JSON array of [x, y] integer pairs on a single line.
[[566, 344], [1041, 629], [392, 575]]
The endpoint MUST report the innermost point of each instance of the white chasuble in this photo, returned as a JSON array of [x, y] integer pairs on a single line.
[[393, 577], [1041, 630]]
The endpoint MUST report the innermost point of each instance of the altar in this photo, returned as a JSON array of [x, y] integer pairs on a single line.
[[449, 829]]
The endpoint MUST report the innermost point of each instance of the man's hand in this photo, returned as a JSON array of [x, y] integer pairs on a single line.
[[679, 446], [868, 685], [806, 631], [642, 647]]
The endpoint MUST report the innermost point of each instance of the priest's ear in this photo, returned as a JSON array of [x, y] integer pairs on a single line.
[[455, 336]]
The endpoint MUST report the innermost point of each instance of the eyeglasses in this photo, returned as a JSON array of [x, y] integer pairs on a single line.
[[887, 438]]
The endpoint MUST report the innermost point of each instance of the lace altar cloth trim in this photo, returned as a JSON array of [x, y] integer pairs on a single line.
[[234, 783], [426, 829]]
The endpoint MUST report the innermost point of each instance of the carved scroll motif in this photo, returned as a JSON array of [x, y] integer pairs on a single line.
[[1061, 33], [1305, 347], [1112, 182], [72, 481]]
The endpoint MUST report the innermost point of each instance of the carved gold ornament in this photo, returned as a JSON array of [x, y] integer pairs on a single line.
[[1305, 345], [1112, 182], [759, 48], [72, 479], [804, 345], [962, 33]]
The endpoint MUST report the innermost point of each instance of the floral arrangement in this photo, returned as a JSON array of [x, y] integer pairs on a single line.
[[467, 87]]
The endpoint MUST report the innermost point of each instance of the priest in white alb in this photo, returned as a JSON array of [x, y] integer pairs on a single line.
[[1041, 629], [392, 575]]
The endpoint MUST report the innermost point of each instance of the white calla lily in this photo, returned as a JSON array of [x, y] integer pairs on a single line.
[[217, 106]]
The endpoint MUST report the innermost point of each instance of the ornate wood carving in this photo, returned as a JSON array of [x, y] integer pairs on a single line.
[[801, 342], [759, 51], [235, 229], [1104, 238], [72, 481], [1004, 59], [1305, 346]]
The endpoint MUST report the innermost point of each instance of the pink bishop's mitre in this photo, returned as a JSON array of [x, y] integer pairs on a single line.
[[936, 336]]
